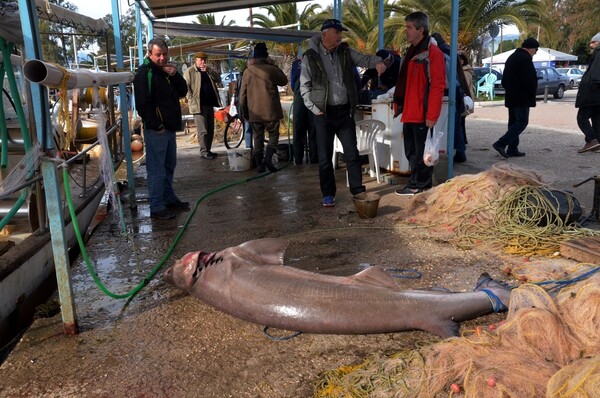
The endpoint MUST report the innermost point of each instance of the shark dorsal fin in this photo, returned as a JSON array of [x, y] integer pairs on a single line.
[[377, 276], [262, 251]]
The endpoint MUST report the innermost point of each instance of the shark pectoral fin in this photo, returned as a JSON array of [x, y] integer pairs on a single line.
[[262, 251], [376, 276], [444, 330]]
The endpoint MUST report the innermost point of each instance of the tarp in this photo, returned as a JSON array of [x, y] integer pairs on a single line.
[[544, 54]]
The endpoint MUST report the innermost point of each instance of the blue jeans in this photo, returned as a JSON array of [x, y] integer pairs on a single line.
[[338, 121], [518, 119], [421, 175], [161, 159], [248, 134]]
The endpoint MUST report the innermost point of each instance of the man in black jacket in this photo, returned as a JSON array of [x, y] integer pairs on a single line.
[[520, 84], [588, 99], [158, 87]]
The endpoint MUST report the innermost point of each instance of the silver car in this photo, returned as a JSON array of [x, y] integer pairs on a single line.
[[574, 74]]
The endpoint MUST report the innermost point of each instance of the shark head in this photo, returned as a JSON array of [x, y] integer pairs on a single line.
[[186, 270]]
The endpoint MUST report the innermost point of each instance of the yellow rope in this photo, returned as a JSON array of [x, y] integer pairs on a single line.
[[64, 117]]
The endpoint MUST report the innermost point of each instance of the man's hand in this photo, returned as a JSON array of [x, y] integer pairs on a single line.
[[380, 66], [430, 123], [171, 70]]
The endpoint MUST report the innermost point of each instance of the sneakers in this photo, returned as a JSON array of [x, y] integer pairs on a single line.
[[500, 149], [328, 201], [515, 154], [164, 214], [178, 205], [208, 156], [589, 146], [406, 191]]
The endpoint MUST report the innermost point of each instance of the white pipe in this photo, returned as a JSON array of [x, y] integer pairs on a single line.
[[49, 75]]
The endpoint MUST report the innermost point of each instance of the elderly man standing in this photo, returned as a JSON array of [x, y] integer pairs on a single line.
[[261, 106], [588, 99], [330, 92], [202, 97], [418, 96], [158, 87], [520, 84]]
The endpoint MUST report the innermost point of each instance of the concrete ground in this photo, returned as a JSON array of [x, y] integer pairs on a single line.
[[163, 343]]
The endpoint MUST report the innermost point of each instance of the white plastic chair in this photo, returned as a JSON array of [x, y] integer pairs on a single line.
[[366, 140]]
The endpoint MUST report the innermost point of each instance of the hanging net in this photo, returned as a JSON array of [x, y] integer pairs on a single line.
[[21, 172]]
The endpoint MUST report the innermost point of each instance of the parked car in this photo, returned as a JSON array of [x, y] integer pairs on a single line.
[[556, 82], [574, 74]]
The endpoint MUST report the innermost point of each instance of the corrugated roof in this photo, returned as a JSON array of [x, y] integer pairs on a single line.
[[231, 32], [180, 8]]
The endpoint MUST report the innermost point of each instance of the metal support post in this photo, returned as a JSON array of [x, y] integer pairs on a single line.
[[60, 248]]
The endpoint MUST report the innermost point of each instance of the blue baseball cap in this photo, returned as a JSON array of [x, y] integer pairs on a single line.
[[333, 23]]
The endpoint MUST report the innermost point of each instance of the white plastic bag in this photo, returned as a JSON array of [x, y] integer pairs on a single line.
[[431, 155], [232, 108]]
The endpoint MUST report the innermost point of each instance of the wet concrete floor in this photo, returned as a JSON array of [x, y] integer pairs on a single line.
[[163, 343]]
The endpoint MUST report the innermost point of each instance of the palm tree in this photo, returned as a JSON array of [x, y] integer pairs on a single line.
[[283, 15], [361, 17], [476, 17]]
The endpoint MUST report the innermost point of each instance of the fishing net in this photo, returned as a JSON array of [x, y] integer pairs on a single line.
[[21, 172], [547, 347], [504, 207]]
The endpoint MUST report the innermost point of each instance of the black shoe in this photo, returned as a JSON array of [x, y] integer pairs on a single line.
[[515, 154], [213, 154], [207, 156], [178, 205], [260, 168], [406, 191], [500, 149], [164, 214]]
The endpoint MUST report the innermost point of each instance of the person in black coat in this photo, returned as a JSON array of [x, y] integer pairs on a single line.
[[520, 84], [158, 86], [588, 99]]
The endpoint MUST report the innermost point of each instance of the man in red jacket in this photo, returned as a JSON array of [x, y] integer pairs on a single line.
[[418, 96]]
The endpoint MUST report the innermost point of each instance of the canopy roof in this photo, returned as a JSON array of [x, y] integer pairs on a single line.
[[180, 8], [231, 32], [544, 54]]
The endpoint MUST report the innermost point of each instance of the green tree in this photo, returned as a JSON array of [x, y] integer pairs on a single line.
[[282, 15], [361, 17], [476, 17], [56, 41], [128, 36]]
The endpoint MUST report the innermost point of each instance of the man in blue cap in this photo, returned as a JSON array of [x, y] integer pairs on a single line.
[[330, 92]]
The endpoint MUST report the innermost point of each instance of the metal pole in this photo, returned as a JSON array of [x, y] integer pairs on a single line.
[[60, 248], [452, 88]]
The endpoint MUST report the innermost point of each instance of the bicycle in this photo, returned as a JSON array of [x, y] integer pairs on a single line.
[[234, 132]]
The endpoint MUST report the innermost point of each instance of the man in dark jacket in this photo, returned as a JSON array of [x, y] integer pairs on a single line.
[[520, 84], [261, 106], [588, 99], [158, 87], [330, 92], [304, 127]]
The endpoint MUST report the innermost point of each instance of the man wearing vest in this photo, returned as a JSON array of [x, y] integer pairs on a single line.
[[158, 87], [202, 96], [330, 92], [418, 96]]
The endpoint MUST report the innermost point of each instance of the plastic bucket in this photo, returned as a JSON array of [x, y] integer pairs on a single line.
[[239, 159], [366, 204]]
